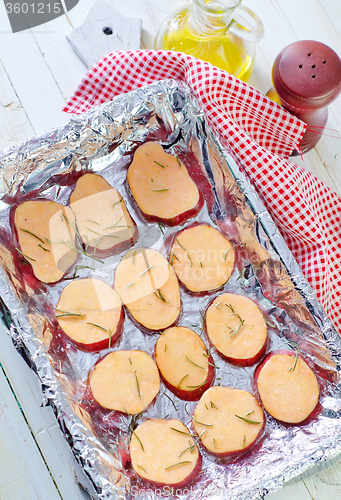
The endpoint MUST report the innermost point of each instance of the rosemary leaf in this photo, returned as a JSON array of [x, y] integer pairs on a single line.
[[178, 242], [201, 423], [183, 378], [227, 251], [201, 368], [160, 296], [97, 326], [43, 248], [149, 268], [248, 420], [183, 432], [139, 440], [160, 190], [179, 463], [137, 384], [32, 234], [140, 466], [170, 399], [26, 256], [292, 369], [163, 166], [197, 386]]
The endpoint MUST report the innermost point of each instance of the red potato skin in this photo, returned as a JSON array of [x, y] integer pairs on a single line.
[[238, 453], [197, 393], [236, 361], [102, 344], [175, 221], [318, 408]]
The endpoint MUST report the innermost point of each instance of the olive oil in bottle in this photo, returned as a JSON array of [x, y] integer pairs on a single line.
[[209, 31]]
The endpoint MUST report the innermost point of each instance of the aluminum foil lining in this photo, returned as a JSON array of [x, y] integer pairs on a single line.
[[103, 141]]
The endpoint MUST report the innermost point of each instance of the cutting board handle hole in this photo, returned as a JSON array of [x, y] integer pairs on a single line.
[[107, 30]]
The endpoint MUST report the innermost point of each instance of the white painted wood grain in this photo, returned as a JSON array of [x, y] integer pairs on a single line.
[[43, 425], [23, 473], [30, 76], [14, 123]]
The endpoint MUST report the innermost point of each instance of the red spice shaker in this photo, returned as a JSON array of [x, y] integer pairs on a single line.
[[307, 77]]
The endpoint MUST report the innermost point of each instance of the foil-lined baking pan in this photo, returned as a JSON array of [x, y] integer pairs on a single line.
[[103, 141]]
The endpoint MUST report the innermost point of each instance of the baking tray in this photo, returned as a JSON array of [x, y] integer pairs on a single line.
[[103, 141]]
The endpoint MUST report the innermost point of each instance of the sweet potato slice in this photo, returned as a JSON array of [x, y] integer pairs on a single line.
[[162, 187], [46, 235], [103, 221], [90, 313], [163, 452], [149, 288], [287, 387], [228, 421], [236, 327], [125, 381], [202, 258], [185, 366]]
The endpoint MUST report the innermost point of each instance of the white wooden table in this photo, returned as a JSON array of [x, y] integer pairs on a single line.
[[38, 71]]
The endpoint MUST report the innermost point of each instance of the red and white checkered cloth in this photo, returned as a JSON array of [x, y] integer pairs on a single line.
[[261, 134]]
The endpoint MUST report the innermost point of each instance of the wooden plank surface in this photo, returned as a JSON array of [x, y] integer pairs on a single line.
[[38, 71]]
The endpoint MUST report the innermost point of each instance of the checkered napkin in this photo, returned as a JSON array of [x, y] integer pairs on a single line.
[[261, 134]]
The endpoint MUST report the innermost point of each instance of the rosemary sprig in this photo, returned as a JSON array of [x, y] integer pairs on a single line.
[[178, 242], [239, 327], [92, 231], [225, 254], [292, 369], [213, 405], [174, 257], [250, 413], [201, 423], [32, 234], [137, 384], [267, 321], [192, 446], [97, 326], [179, 463], [191, 261], [66, 314], [160, 296], [162, 228], [139, 440], [183, 378], [89, 220], [160, 190], [149, 268], [140, 466], [117, 202], [43, 248], [82, 252], [26, 256], [114, 224], [183, 432], [248, 420], [130, 284], [201, 368], [170, 399], [159, 164]]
